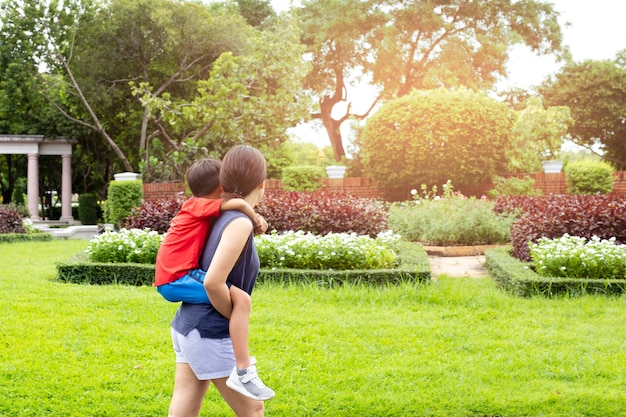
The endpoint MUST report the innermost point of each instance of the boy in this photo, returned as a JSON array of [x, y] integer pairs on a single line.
[[177, 274]]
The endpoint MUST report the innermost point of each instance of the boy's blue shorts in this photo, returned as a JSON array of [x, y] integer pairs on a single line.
[[188, 288]]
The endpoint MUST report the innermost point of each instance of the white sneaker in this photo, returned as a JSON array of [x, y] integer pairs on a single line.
[[247, 382]]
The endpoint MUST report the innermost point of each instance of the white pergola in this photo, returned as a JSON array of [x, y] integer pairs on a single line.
[[33, 146]]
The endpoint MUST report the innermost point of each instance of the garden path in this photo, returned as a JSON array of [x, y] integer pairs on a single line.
[[458, 266]]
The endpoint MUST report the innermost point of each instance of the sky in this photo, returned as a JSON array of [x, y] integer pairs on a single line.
[[596, 31]]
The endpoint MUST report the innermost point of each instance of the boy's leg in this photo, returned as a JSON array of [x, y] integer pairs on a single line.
[[188, 288], [244, 378], [239, 325]]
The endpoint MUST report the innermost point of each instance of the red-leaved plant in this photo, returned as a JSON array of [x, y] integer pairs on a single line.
[[322, 212], [553, 216]]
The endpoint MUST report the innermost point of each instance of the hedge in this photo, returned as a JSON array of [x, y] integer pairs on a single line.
[[518, 278], [24, 237], [414, 267]]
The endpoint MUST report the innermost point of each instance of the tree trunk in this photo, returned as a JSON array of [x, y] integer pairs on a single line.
[[332, 127]]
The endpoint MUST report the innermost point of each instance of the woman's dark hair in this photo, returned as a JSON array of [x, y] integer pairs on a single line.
[[243, 169]]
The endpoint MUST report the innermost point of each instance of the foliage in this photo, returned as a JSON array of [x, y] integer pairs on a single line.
[[20, 208], [123, 196], [250, 96], [125, 246], [87, 208], [553, 216], [10, 220], [595, 92], [303, 178], [322, 212], [589, 177], [154, 215], [577, 257], [24, 237], [332, 259], [338, 251], [451, 220], [513, 186], [406, 45], [538, 135], [433, 136], [518, 278]]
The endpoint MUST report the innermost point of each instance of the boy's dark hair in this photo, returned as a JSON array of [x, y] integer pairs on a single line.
[[203, 176]]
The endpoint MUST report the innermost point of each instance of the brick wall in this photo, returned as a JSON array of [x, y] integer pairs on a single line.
[[360, 187], [363, 187], [157, 190]]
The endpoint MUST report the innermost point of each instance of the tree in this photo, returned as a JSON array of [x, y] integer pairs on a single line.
[[252, 97], [538, 135], [429, 137], [595, 92], [255, 11], [401, 46]]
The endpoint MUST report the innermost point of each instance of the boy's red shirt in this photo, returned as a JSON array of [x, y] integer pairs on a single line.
[[185, 239]]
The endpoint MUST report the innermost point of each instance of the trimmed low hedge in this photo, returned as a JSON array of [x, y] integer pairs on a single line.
[[24, 237], [414, 266], [520, 279]]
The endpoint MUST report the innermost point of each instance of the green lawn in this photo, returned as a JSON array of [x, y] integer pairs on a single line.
[[458, 347]]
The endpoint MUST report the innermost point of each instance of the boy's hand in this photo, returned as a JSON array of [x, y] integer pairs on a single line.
[[260, 226]]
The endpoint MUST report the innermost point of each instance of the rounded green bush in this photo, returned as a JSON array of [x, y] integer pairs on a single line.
[[303, 178], [589, 177]]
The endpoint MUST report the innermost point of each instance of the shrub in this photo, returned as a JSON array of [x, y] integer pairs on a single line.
[[302, 178], [513, 186], [10, 220], [453, 220], [322, 212], [122, 197], [430, 136], [87, 209], [127, 245], [517, 277], [337, 251], [577, 257], [556, 215], [589, 177], [154, 215]]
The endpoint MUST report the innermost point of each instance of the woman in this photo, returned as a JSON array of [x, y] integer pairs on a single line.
[[200, 332]]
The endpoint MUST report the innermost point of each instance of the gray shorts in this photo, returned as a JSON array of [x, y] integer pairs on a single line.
[[208, 358]]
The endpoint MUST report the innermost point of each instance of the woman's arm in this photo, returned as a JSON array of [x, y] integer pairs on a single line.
[[232, 242]]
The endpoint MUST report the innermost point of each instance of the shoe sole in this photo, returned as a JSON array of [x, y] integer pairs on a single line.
[[245, 393]]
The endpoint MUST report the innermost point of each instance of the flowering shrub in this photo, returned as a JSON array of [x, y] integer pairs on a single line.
[[337, 251], [127, 245], [322, 212], [577, 257], [298, 250], [450, 219]]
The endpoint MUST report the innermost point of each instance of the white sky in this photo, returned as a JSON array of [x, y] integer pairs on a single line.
[[597, 31]]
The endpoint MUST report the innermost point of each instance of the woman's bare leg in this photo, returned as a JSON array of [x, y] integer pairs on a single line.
[[188, 394]]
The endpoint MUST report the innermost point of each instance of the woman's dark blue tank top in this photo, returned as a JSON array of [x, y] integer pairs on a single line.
[[204, 317]]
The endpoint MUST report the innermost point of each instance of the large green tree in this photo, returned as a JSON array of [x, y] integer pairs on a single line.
[[595, 92], [402, 45], [252, 97], [429, 137]]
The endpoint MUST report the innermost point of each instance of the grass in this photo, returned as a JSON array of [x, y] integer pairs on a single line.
[[457, 347]]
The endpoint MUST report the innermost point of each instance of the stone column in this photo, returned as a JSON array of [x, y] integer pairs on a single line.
[[32, 189], [66, 189]]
